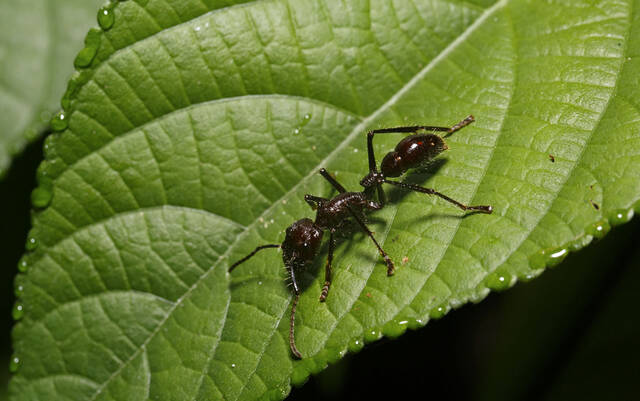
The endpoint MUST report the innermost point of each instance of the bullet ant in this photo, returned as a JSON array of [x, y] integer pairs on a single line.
[[303, 238], [411, 152]]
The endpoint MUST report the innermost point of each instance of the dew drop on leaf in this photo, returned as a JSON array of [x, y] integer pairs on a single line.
[[40, 197], [14, 364], [23, 265], [59, 122], [32, 242], [18, 311], [106, 17]]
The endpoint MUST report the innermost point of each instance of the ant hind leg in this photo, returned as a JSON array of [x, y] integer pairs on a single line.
[[488, 209]]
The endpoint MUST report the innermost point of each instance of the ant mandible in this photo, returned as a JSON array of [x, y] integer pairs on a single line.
[[411, 152], [302, 239]]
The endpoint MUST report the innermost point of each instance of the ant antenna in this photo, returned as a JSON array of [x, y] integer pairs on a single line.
[[241, 261], [292, 341]]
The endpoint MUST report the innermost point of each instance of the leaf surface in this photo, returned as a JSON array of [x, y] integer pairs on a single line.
[[198, 126]]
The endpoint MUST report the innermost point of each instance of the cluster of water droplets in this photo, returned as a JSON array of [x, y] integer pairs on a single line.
[[305, 120]]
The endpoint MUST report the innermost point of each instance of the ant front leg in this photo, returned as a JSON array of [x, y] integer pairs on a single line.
[[314, 201], [327, 269], [387, 260], [332, 181], [430, 191]]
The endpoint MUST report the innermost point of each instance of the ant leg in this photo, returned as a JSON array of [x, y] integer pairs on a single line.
[[233, 266], [292, 341], [483, 209], [468, 120], [327, 269], [292, 321], [314, 201], [332, 181], [390, 267]]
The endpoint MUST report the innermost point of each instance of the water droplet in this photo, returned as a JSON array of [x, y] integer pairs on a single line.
[[32, 242], [599, 229], [296, 131], [40, 197], [538, 260], [23, 265], [499, 281], [395, 328], [88, 53], [48, 147], [59, 122], [529, 276], [233, 365], [579, 243], [18, 285], [14, 364], [106, 17], [18, 290], [18, 311], [72, 87], [415, 324], [620, 216], [355, 345], [439, 311], [555, 256], [305, 120], [372, 335]]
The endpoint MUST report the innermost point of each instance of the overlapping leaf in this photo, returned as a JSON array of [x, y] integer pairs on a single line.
[[38, 40], [198, 126]]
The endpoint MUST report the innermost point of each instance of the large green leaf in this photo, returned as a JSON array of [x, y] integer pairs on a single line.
[[38, 40], [198, 126]]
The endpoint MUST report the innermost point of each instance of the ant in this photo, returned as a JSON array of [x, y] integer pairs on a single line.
[[411, 152], [302, 239]]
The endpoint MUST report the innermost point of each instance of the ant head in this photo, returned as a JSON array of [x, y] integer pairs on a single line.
[[301, 243]]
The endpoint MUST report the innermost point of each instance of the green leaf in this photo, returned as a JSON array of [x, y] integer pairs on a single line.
[[38, 39], [198, 126]]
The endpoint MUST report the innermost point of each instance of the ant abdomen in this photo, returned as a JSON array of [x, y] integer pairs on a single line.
[[411, 152]]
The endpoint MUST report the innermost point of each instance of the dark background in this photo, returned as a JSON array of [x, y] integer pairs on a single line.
[[571, 334]]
